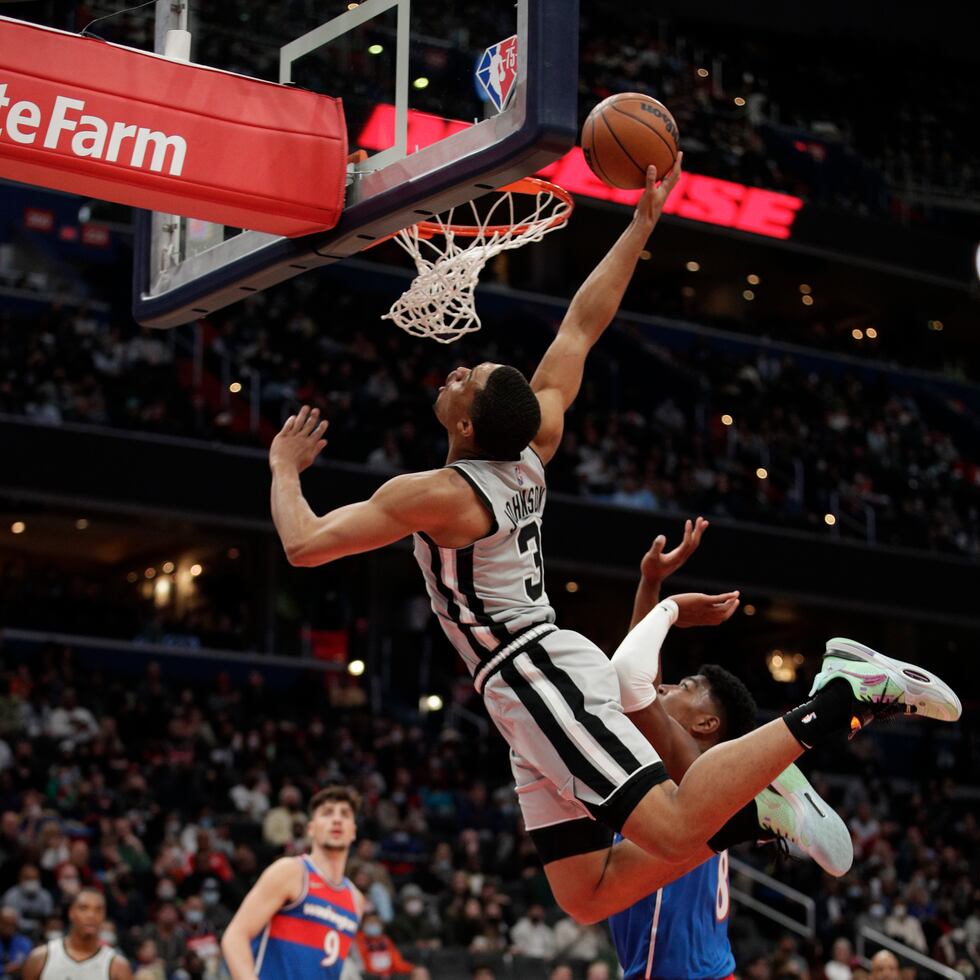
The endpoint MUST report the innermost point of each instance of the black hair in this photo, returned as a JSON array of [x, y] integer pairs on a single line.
[[506, 415], [336, 794], [737, 709], [86, 890]]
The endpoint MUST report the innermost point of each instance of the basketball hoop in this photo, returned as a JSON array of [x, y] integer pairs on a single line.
[[440, 303]]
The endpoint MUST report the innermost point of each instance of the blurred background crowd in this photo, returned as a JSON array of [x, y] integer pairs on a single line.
[[171, 797]]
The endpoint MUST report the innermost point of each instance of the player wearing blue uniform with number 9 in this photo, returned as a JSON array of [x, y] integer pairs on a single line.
[[301, 916]]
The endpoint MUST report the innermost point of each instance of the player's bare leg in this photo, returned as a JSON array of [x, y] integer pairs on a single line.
[[591, 887], [673, 823]]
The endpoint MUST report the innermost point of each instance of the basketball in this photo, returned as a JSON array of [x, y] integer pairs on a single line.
[[625, 134]]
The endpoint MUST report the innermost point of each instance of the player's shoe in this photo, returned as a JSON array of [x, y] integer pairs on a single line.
[[792, 809], [885, 685]]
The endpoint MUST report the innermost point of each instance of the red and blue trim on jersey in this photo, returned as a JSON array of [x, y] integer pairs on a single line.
[[310, 937]]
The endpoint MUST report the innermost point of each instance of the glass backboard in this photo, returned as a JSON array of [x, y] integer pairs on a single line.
[[446, 99]]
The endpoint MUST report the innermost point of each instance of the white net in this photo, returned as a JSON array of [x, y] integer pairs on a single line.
[[440, 303]]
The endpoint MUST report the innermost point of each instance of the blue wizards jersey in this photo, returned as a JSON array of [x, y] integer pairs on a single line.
[[680, 931], [309, 939]]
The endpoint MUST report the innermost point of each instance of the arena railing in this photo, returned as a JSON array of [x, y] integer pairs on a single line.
[[124, 653], [807, 929], [867, 933]]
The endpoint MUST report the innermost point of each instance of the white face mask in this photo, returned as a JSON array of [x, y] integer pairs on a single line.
[[373, 929]]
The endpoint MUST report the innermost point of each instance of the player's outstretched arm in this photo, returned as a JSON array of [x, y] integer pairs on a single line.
[[278, 885], [639, 655], [559, 375], [408, 503]]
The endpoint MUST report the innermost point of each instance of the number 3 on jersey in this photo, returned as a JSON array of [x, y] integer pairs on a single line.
[[529, 542]]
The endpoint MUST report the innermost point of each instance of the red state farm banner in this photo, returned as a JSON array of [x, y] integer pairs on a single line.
[[105, 121]]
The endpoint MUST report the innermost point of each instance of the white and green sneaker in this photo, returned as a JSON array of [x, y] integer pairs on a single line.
[[886, 685], [793, 810]]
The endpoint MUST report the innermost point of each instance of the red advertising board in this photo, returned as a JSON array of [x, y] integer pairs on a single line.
[[696, 197], [106, 121]]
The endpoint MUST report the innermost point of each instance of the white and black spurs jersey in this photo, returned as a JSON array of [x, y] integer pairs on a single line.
[[492, 590]]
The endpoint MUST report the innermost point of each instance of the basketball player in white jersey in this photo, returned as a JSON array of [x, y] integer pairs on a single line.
[[79, 955], [582, 768]]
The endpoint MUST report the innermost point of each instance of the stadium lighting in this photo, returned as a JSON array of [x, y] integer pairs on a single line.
[[150, 573], [355, 668], [81, 524], [430, 702], [646, 255], [168, 567], [871, 333], [726, 419], [752, 279], [808, 301], [196, 570], [936, 326], [857, 333], [762, 473], [235, 387], [703, 73], [375, 49], [133, 577], [18, 527], [571, 586], [739, 101], [749, 610], [421, 82], [829, 520], [692, 266], [805, 288], [233, 553], [748, 295]]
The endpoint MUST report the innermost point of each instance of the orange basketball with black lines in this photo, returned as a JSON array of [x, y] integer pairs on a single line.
[[626, 133]]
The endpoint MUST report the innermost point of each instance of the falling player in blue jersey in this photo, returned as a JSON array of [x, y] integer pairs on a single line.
[[301, 916], [681, 930]]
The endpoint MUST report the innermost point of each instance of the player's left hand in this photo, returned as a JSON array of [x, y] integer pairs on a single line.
[[698, 609], [658, 565], [300, 440], [651, 205]]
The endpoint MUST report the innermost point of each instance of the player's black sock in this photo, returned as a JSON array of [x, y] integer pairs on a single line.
[[742, 827], [832, 711]]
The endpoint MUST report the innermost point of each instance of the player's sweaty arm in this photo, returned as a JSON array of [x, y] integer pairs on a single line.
[[559, 375], [648, 629], [405, 504], [278, 885]]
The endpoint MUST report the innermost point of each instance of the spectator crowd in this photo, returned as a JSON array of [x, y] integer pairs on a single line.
[[171, 796], [672, 421]]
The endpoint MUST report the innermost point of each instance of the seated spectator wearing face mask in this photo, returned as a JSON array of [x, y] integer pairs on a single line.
[[32, 902], [379, 955], [414, 924]]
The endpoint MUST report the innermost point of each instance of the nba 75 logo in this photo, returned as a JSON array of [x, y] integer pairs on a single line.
[[497, 72]]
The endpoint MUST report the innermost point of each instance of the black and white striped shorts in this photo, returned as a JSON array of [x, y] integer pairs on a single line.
[[574, 753]]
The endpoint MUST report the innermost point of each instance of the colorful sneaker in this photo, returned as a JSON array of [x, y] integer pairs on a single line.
[[793, 810], [882, 682]]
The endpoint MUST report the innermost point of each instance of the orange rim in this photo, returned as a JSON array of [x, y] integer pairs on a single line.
[[530, 186]]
